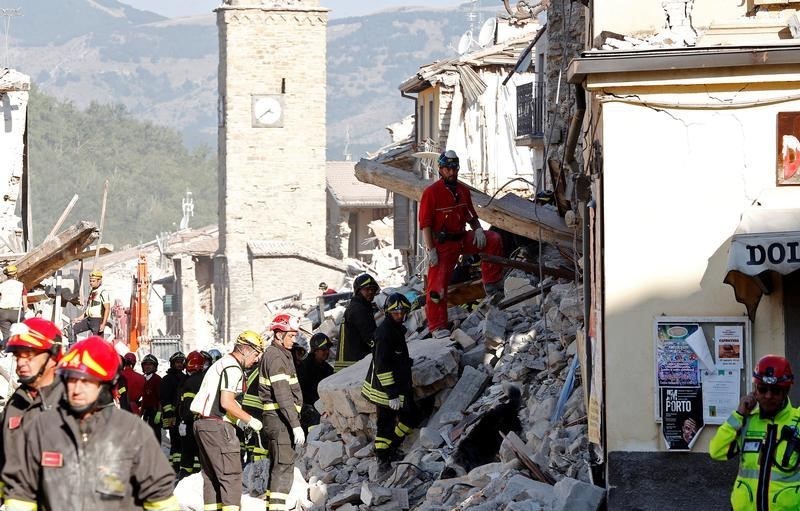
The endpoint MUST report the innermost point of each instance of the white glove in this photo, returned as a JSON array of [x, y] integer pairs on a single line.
[[395, 403], [480, 238], [433, 257], [255, 424], [299, 436], [182, 429]]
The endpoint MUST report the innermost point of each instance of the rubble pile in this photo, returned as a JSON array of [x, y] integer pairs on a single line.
[[526, 341]]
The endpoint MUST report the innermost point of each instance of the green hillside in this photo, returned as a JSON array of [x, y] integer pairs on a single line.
[[148, 167]]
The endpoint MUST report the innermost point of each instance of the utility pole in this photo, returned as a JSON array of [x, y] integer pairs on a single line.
[[8, 14]]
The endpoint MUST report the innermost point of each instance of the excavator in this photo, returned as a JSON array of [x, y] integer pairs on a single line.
[[140, 308]]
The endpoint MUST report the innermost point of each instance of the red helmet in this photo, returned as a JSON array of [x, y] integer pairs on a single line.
[[773, 370], [92, 358], [195, 361], [284, 322], [130, 358], [36, 334]]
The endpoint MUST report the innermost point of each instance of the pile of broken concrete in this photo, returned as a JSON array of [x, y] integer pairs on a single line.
[[528, 340]]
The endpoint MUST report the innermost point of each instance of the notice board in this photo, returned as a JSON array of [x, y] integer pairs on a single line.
[[702, 367]]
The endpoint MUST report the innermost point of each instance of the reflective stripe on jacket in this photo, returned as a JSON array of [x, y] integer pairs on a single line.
[[773, 485], [278, 386], [356, 333], [389, 373]]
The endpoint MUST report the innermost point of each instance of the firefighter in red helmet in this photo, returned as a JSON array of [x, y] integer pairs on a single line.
[[763, 433], [36, 346], [116, 460]]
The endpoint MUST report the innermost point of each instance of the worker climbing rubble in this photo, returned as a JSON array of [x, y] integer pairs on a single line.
[[358, 327]]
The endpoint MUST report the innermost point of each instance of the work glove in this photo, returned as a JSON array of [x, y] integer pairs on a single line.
[[157, 418], [299, 436], [182, 429], [168, 422], [433, 257], [255, 424], [395, 403], [479, 239]]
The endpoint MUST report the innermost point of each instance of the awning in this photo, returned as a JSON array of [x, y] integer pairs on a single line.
[[766, 242]]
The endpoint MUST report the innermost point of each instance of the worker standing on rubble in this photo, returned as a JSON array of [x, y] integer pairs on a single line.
[[13, 301], [98, 308], [388, 383], [151, 398], [88, 454], [36, 346], [168, 394], [358, 326], [444, 211], [313, 369], [280, 393], [197, 362], [216, 405]]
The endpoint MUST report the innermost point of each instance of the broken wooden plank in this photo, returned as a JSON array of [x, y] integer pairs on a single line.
[[54, 253], [521, 452], [103, 248], [511, 212], [524, 296], [562, 273]]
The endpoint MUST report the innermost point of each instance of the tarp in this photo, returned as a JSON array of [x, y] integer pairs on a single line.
[[767, 240]]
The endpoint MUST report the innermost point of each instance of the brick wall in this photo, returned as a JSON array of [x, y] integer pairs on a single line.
[[271, 180]]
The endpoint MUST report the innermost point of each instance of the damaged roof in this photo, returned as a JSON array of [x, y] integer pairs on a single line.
[[12, 80], [203, 241], [279, 248], [502, 54], [349, 192]]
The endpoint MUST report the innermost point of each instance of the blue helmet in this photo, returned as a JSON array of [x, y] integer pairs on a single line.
[[449, 159], [215, 354]]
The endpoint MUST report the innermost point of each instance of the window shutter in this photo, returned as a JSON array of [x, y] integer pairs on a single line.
[[402, 231]]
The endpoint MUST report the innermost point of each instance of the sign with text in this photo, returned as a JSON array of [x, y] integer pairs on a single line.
[[681, 416]]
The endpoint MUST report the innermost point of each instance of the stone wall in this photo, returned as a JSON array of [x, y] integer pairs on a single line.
[[268, 175]]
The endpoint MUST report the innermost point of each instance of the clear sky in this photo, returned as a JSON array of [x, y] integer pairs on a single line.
[[339, 8]]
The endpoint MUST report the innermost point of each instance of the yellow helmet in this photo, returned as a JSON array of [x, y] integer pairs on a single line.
[[96, 274], [10, 270], [252, 339]]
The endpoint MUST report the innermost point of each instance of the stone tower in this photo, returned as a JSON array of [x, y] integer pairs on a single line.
[[271, 148]]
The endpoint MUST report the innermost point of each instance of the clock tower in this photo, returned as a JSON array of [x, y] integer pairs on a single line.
[[272, 83]]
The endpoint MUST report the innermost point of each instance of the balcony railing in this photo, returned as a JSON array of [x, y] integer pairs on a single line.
[[530, 109]]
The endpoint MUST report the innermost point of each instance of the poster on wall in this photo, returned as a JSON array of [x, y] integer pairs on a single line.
[[681, 416], [788, 150], [681, 350], [720, 394], [728, 346]]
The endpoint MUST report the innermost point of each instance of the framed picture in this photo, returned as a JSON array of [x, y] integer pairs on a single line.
[[787, 171]]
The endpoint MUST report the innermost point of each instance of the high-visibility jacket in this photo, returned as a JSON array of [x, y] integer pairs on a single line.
[[769, 459], [168, 394], [252, 404], [110, 460], [356, 333], [389, 373], [278, 386]]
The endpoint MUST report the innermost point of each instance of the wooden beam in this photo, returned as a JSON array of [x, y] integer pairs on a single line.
[[63, 216], [563, 273], [54, 253], [102, 248], [511, 212]]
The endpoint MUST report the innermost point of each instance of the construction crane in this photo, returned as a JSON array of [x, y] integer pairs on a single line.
[[140, 308]]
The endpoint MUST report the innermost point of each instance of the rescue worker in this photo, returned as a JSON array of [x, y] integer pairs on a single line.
[[13, 301], [313, 369], [298, 355], [87, 454], [94, 317], [388, 383], [197, 362], [120, 390], [444, 210], [214, 429], [763, 432], [168, 394], [134, 383], [282, 400], [358, 326], [253, 448], [36, 345], [151, 399]]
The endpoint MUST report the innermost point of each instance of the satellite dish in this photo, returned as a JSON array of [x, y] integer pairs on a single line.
[[464, 43], [486, 35]]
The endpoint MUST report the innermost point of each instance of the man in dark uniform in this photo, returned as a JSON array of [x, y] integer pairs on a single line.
[[282, 400], [116, 459], [388, 383], [168, 394], [358, 327], [197, 362], [151, 400], [36, 345], [312, 370]]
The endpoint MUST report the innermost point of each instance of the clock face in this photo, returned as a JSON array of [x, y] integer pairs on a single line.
[[267, 111]]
